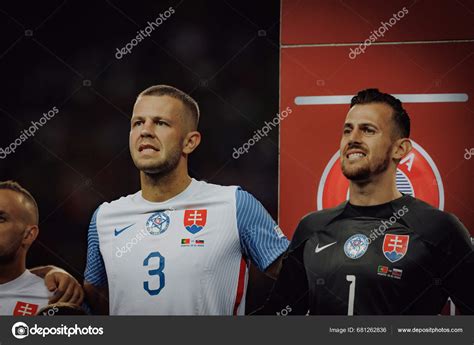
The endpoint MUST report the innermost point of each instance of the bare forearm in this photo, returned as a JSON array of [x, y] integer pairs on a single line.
[[66, 288], [42, 271]]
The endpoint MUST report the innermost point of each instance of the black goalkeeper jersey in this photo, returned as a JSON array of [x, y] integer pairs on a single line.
[[403, 257]]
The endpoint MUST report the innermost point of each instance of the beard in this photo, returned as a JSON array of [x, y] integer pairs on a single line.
[[363, 172], [161, 168], [9, 254]]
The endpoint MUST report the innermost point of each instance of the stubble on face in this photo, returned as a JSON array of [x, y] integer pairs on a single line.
[[364, 171]]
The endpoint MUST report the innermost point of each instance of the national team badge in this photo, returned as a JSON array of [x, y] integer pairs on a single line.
[[395, 246], [195, 220], [158, 223], [417, 175], [356, 246], [25, 309]]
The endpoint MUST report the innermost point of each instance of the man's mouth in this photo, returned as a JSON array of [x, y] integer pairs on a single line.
[[147, 148], [353, 155]]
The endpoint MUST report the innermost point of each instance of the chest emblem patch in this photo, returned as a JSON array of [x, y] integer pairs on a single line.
[[395, 246], [356, 246], [158, 223], [195, 220]]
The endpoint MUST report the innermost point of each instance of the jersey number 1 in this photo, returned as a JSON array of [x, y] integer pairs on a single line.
[[352, 287], [155, 272]]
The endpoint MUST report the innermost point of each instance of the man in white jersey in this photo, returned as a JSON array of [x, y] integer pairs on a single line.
[[178, 246], [22, 292]]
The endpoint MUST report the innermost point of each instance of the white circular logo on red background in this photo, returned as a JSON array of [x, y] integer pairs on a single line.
[[417, 175]]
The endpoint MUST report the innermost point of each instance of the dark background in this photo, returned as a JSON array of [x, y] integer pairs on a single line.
[[225, 54]]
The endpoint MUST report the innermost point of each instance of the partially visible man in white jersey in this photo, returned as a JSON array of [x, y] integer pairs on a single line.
[[22, 292], [178, 246]]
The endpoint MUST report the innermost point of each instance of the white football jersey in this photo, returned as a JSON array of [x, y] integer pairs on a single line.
[[184, 256], [24, 296]]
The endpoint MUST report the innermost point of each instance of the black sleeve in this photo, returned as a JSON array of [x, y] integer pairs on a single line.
[[459, 266], [289, 295]]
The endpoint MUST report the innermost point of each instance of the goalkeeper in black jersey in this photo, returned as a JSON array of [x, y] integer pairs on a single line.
[[381, 252]]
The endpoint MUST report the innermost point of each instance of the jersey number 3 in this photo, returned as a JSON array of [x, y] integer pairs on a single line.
[[150, 260]]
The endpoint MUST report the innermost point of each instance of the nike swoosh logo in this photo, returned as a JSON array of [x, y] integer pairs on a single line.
[[319, 249], [118, 232]]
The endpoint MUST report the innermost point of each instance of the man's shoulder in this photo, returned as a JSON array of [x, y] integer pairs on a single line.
[[212, 187], [430, 216], [434, 225], [321, 216], [122, 201], [207, 192], [118, 205], [30, 284], [313, 222]]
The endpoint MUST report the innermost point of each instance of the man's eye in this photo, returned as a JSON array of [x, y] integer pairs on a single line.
[[161, 123], [346, 131], [369, 131], [136, 123]]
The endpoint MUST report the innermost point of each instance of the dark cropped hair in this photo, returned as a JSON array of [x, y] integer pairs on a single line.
[[187, 100], [400, 116], [61, 308], [15, 186]]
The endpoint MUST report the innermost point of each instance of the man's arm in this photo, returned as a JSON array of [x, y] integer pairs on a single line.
[[66, 288], [97, 298], [95, 276], [460, 261], [261, 239], [290, 293], [274, 269]]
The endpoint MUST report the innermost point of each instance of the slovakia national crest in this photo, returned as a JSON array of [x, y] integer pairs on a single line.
[[195, 220], [395, 246], [158, 223]]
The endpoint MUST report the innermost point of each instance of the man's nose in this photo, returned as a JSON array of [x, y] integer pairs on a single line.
[[147, 129], [355, 136]]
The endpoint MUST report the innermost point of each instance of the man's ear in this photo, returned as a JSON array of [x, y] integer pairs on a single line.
[[31, 233], [191, 141], [401, 148]]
